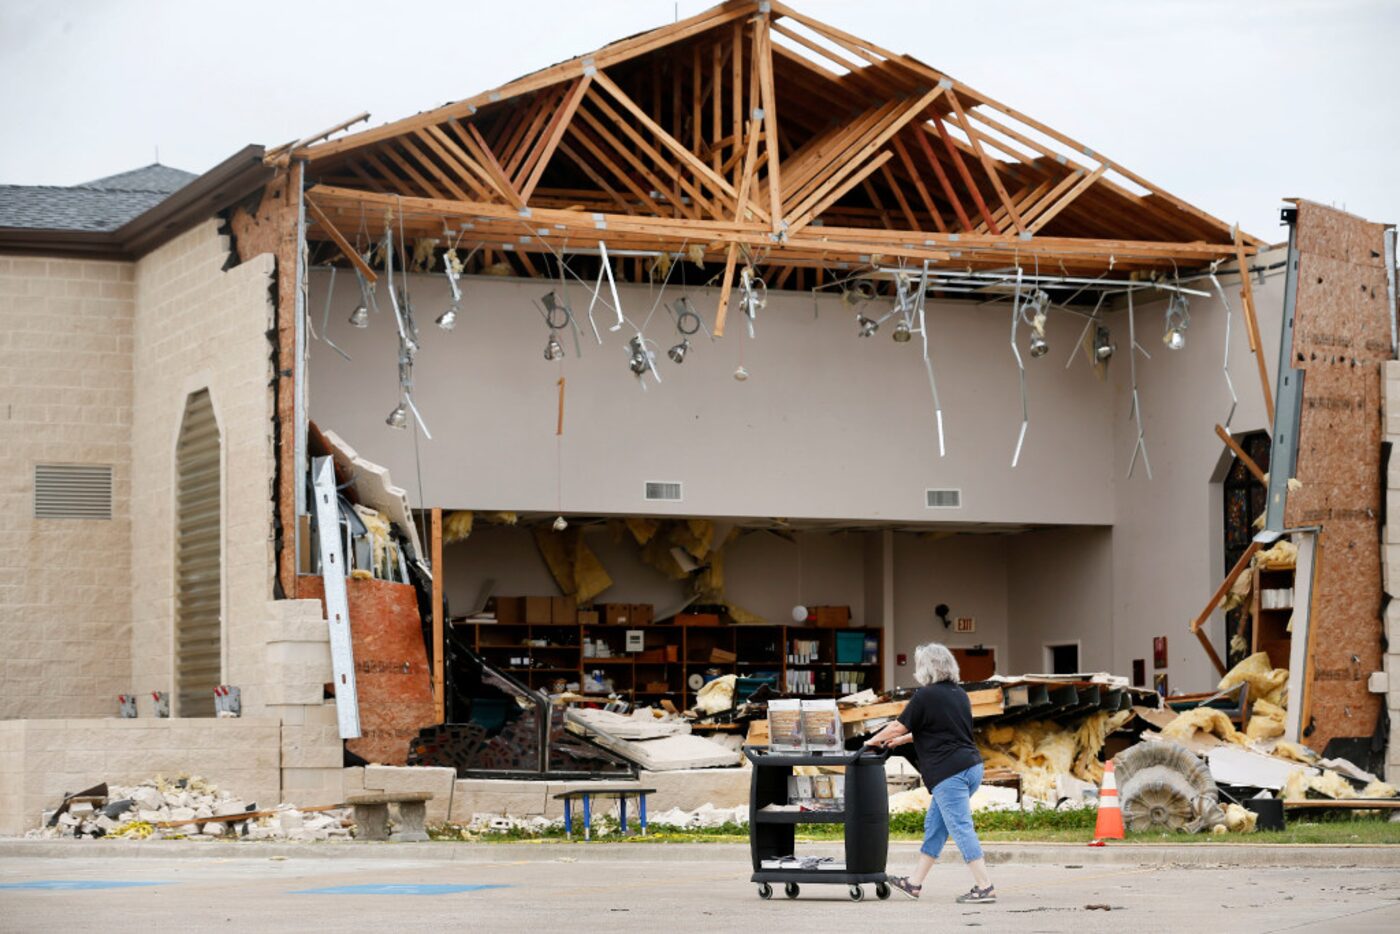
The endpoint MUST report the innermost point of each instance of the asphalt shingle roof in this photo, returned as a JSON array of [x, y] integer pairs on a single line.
[[100, 205]]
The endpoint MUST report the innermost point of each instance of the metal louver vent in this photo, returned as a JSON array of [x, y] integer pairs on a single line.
[[198, 561], [666, 491], [72, 491], [943, 499]]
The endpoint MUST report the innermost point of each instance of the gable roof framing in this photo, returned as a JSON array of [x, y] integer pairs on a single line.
[[753, 128]]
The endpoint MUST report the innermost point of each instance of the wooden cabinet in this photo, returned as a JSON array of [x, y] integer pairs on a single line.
[[809, 661], [1273, 608]]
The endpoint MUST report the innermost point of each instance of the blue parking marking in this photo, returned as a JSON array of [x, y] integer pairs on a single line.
[[67, 885], [389, 888]]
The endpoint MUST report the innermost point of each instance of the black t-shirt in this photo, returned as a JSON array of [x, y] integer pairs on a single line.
[[940, 717]]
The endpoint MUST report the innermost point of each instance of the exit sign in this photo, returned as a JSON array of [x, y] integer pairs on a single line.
[[965, 624]]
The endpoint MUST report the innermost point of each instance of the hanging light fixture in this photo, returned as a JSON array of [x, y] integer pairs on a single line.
[[359, 318], [553, 350], [1103, 343], [678, 352], [1178, 318], [448, 319], [638, 362], [399, 417], [1033, 312], [741, 374], [859, 291], [867, 325], [560, 523], [902, 333]]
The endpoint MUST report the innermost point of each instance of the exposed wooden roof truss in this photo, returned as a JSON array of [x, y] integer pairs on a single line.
[[751, 133]]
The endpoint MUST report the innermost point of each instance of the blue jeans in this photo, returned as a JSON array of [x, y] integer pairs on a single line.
[[950, 813]]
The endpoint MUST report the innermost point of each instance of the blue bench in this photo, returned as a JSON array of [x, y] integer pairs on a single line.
[[587, 794]]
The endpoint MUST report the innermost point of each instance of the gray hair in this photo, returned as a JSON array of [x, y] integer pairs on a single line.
[[934, 663]]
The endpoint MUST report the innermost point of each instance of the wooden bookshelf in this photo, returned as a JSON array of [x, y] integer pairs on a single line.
[[545, 653]]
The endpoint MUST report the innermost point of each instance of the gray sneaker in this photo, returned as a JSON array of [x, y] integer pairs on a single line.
[[987, 896]]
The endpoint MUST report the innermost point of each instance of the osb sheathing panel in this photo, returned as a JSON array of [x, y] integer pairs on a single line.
[[1341, 334], [391, 666]]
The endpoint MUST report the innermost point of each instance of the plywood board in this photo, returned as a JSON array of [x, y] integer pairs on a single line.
[[391, 667], [1341, 336]]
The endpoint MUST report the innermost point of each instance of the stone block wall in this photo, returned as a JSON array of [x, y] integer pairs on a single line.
[[40, 760], [196, 327], [65, 398]]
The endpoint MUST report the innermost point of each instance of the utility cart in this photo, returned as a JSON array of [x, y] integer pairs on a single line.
[[865, 815]]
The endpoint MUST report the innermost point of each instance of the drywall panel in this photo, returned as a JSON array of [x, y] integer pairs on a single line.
[[966, 572], [1060, 589], [828, 425]]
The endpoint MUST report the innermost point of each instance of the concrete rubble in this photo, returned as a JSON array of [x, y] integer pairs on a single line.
[[138, 812]]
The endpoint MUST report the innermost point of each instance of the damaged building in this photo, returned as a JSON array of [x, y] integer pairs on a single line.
[[741, 347]]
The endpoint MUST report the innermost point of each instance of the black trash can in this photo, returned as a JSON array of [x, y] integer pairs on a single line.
[[1270, 811], [865, 818]]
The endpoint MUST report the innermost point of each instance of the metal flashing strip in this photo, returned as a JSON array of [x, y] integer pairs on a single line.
[[347, 702], [1288, 407]]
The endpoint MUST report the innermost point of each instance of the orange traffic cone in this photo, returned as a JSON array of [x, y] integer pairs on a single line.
[[1109, 825]]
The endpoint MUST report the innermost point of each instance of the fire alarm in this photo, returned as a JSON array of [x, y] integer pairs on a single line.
[[901, 659]]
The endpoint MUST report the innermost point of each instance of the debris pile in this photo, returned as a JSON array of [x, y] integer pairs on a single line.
[[185, 807], [1043, 752]]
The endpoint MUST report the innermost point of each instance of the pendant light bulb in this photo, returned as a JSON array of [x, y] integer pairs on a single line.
[[399, 417], [901, 333], [741, 374], [359, 318], [448, 319]]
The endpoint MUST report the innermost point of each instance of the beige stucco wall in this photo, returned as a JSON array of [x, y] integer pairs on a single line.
[[1168, 551], [65, 397], [199, 327]]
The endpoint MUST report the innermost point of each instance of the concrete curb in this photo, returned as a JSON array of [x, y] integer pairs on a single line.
[[1201, 855]]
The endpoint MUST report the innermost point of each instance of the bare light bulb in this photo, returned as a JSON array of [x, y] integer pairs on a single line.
[[1039, 346], [678, 352], [448, 319], [399, 417], [741, 374], [901, 333], [560, 523], [553, 350], [359, 318]]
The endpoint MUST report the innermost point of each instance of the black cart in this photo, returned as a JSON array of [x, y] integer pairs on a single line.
[[866, 817]]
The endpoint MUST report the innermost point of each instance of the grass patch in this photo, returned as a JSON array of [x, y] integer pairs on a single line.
[[1038, 826]]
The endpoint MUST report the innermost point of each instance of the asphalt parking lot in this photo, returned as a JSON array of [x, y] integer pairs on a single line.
[[676, 887]]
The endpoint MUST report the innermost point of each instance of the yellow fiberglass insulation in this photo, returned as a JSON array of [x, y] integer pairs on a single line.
[[384, 554], [1204, 720], [457, 526], [1284, 554], [1329, 784], [1377, 790], [1266, 722], [1295, 751], [1239, 819], [1265, 682], [1040, 750]]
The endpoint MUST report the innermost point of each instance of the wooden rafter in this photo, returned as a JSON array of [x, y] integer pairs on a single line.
[[817, 147]]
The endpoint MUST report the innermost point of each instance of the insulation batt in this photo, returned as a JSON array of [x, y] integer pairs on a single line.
[[1205, 720], [1265, 683], [1267, 721], [1238, 819], [1040, 751], [1294, 751], [1330, 784]]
